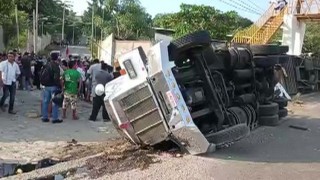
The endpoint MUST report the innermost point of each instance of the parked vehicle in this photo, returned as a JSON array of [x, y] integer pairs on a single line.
[[55, 52], [196, 92]]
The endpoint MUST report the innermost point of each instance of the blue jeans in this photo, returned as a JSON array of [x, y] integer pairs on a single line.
[[48, 92], [26, 85], [9, 90]]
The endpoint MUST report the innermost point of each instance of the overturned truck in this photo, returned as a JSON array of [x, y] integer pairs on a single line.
[[196, 92]]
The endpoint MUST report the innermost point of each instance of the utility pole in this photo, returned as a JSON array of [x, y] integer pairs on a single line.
[[17, 23], [63, 16], [73, 34], [42, 24], [34, 32], [92, 29], [101, 38], [36, 26], [28, 38]]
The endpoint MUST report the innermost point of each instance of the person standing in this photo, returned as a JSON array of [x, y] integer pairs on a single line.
[[80, 69], [91, 74], [70, 80], [101, 77], [50, 79], [26, 68], [36, 74], [9, 71]]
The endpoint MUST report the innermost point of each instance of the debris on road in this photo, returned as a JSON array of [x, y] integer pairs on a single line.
[[120, 156], [299, 128]]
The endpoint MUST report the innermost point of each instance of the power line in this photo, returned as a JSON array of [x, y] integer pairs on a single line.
[[243, 9], [256, 5], [248, 5]]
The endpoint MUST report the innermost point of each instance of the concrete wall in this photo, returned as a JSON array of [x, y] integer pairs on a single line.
[[110, 49], [1, 39], [159, 37], [293, 34], [42, 42], [106, 49]]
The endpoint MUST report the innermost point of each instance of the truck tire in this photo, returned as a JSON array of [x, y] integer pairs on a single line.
[[265, 49], [283, 49], [199, 39], [254, 113], [265, 61], [249, 115], [283, 113], [282, 102], [244, 58], [228, 135], [269, 120], [242, 74], [268, 109], [240, 113], [246, 99], [284, 59]]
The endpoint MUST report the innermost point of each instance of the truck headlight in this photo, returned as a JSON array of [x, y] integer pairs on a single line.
[[130, 69]]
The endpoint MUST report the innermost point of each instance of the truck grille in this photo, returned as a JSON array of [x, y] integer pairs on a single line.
[[133, 98], [144, 115]]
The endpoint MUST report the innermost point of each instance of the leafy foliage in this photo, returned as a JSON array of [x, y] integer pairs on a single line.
[[127, 19], [191, 18], [50, 15], [312, 39]]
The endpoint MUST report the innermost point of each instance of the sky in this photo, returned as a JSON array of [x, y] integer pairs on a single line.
[[252, 9]]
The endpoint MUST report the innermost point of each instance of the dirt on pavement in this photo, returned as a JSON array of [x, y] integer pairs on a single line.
[[268, 153], [118, 157], [27, 139]]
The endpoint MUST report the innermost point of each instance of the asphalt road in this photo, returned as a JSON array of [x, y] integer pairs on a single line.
[[282, 143], [268, 153]]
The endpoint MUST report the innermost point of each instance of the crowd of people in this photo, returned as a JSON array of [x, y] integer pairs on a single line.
[[71, 80]]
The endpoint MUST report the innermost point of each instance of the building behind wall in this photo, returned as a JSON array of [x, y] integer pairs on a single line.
[[110, 49], [163, 34]]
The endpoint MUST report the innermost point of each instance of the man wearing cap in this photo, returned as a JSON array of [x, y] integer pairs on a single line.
[[9, 71]]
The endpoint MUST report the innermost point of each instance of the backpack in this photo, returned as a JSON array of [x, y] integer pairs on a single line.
[[46, 75]]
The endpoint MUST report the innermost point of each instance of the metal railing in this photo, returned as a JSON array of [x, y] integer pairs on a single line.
[[264, 35], [245, 35]]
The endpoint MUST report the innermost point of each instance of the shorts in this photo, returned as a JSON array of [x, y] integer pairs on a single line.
[[70, 99]]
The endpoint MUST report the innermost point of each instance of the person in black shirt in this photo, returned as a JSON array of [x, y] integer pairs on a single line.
[[26, 69], [50, 88], [36, 74]]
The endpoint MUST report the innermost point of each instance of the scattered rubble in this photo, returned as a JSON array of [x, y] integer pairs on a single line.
[[299, 128], [120, 156]]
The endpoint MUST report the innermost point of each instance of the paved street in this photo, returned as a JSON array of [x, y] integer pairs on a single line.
[[21, 131], [268, 153], [283, 144]]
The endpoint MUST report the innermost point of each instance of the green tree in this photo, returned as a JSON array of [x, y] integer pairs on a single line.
[[51, 10], [191, 18], [127, 19], [312, 39]]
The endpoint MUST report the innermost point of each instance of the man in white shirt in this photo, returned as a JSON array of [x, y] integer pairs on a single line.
[[9, 71]]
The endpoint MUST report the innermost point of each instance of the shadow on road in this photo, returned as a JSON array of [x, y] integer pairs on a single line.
[[278, 144]]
